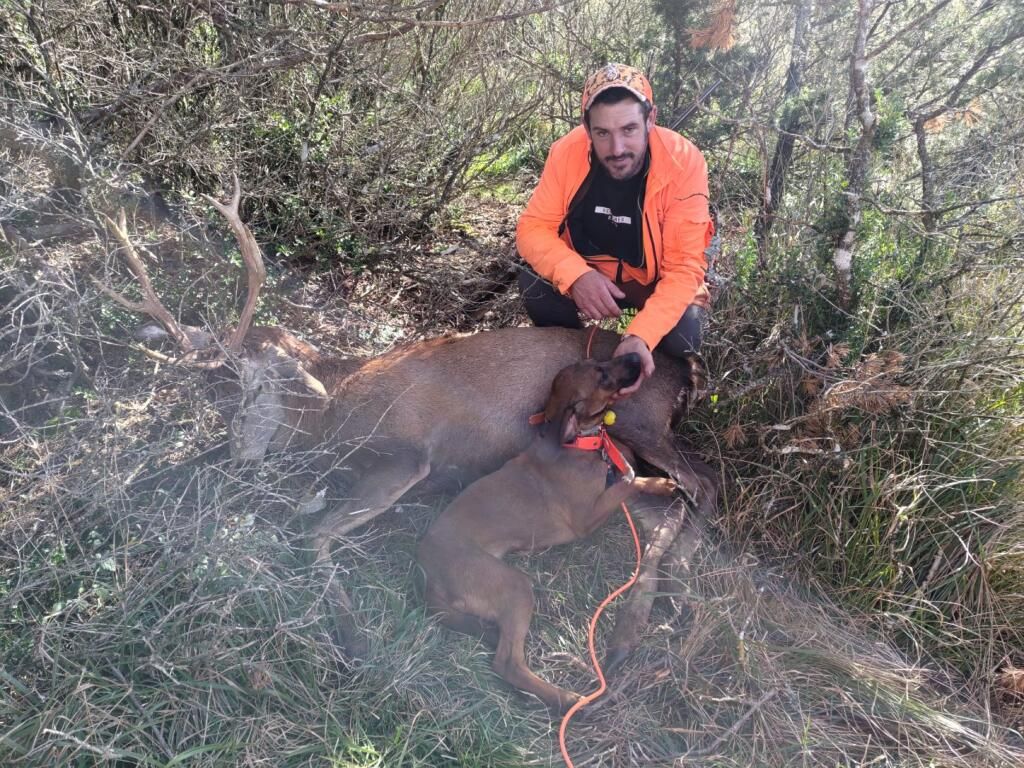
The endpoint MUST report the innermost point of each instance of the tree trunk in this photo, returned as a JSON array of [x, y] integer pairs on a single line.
[[790, 124], [860, 161], [928, 216]]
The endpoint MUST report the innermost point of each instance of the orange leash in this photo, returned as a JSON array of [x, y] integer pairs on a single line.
[[590, 339], [590, 642]]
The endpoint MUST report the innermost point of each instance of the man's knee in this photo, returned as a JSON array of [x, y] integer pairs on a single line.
[[545, 305], [686, 337]]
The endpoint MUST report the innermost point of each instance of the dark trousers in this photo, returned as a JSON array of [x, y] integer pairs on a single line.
[[546, 306]]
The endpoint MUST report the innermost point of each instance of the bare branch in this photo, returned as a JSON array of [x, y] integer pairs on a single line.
[[951, 97], [406, 23], [929, 14], [161, 108]]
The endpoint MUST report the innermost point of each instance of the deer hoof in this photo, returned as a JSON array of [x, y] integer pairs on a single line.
[[347, 635], [615, 657], [352, 642]]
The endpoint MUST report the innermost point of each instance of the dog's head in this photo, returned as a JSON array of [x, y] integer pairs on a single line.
[[581, 393]]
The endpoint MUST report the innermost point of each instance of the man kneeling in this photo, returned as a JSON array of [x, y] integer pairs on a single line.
[[620, 219]]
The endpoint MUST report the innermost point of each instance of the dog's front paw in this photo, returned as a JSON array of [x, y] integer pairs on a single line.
[[566, 701], [665, 486]]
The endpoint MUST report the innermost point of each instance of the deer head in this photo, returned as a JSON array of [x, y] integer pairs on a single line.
[[263, 378]]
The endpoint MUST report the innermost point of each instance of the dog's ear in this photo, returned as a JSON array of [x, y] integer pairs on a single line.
[[559, 398], [570, 426]]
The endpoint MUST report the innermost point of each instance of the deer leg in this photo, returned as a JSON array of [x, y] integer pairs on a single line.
[[346, 628], [700, 488], [676, 563], [705, 485], [697, 481], [682, 550], [680, 554], [372, 494], [660, 531], [379, 487]]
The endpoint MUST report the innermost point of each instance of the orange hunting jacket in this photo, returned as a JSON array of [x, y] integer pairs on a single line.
[[676, 227]]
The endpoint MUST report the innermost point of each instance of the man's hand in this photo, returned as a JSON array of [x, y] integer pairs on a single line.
[[638, 345], [595, 295]]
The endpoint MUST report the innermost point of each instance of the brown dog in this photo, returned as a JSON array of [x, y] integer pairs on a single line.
[[552, 493]]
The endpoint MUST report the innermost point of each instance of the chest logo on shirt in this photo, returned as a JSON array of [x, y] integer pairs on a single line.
[[605, 211]]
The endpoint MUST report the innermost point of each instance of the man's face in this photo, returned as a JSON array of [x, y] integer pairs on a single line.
[[619, 135]]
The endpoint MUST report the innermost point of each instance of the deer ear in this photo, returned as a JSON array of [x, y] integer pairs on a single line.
[[570, 425], [151, 332], [694, 388], [315, 386], [285, 375], [696, 373], [312, 386]]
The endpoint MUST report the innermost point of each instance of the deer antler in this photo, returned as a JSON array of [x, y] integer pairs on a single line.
[[150, 304], [253, 259]]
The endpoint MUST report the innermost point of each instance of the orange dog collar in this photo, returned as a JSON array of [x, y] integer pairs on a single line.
[[609, 451]]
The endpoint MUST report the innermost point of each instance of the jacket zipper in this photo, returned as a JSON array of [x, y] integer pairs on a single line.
[[641, 198], [643, 217], [576, 199], [654, 253]]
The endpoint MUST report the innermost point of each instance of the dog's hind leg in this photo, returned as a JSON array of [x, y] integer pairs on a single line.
[[512, 614], [471, 625], [460, 621]]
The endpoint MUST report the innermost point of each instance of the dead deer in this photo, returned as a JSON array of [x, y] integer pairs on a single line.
[[453, 405]]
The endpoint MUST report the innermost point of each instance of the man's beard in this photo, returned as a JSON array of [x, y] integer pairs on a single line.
[[632, 170], [615, 170]]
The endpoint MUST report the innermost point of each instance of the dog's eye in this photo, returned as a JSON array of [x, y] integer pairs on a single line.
[[606, 380]]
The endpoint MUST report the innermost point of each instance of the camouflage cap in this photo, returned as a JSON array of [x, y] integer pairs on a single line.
[[617, 76]]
